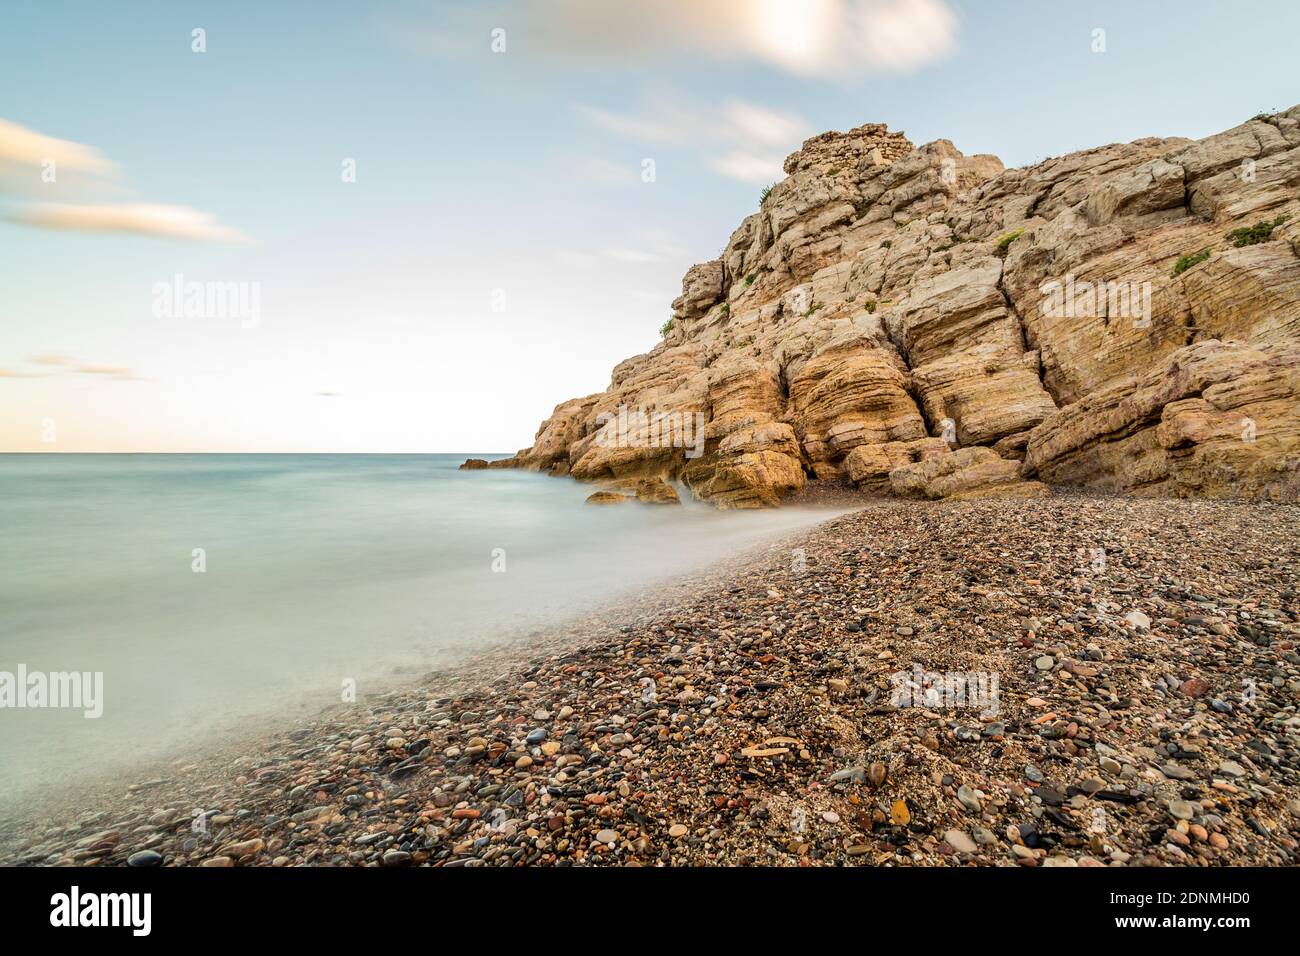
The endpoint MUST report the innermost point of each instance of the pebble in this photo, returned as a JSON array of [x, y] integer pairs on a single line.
[[761, 706], [849, 775], [1139, 620], [959, 841]]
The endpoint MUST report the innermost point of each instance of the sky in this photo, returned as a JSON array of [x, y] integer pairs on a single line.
[[419, 226]]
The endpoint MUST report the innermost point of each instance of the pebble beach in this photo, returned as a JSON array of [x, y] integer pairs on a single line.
[[1133, 682]]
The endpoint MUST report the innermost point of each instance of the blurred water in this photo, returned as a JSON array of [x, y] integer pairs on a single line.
[[319, 568]]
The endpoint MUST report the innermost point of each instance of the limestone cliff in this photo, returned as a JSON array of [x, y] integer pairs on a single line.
[[928, 324]]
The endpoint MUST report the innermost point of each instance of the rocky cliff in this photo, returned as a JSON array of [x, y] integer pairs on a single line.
[[927, 324]]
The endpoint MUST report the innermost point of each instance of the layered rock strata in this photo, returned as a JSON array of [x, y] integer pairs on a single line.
[[928, 324]]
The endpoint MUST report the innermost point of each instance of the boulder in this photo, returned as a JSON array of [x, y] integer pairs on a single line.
[[606, 498], [966, 473], [657, 493]]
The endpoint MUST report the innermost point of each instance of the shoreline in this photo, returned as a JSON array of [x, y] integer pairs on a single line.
[[183, 768], [770, 737]]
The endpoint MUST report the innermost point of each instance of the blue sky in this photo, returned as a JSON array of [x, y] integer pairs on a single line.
[[499, 251]]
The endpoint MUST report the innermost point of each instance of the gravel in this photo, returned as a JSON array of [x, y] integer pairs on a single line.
[[1132, 683]]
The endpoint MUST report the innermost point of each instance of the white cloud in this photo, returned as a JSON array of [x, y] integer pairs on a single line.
[[901, 35], [661, 120], [24, 149], [109, 371], [823, 38], [173, 222], [66, 365], [760, 138], [749, 167], [815, 38], [762, 125], [646, 246]]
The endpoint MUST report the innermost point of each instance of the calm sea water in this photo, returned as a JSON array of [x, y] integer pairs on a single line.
[[318, 569]]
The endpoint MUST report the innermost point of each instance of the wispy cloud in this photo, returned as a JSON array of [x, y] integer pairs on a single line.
[[27, 157], [57, 364], [172, 222], [109, 371], [814, 38], [50, 358], [20, 146], [759, 138], [645, 246]]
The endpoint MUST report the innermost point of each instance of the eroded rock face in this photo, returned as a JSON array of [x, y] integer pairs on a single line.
[[974, 472], [928, 324], [1217, 419]]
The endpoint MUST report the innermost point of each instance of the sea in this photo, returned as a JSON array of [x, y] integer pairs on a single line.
[[213, 592]]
